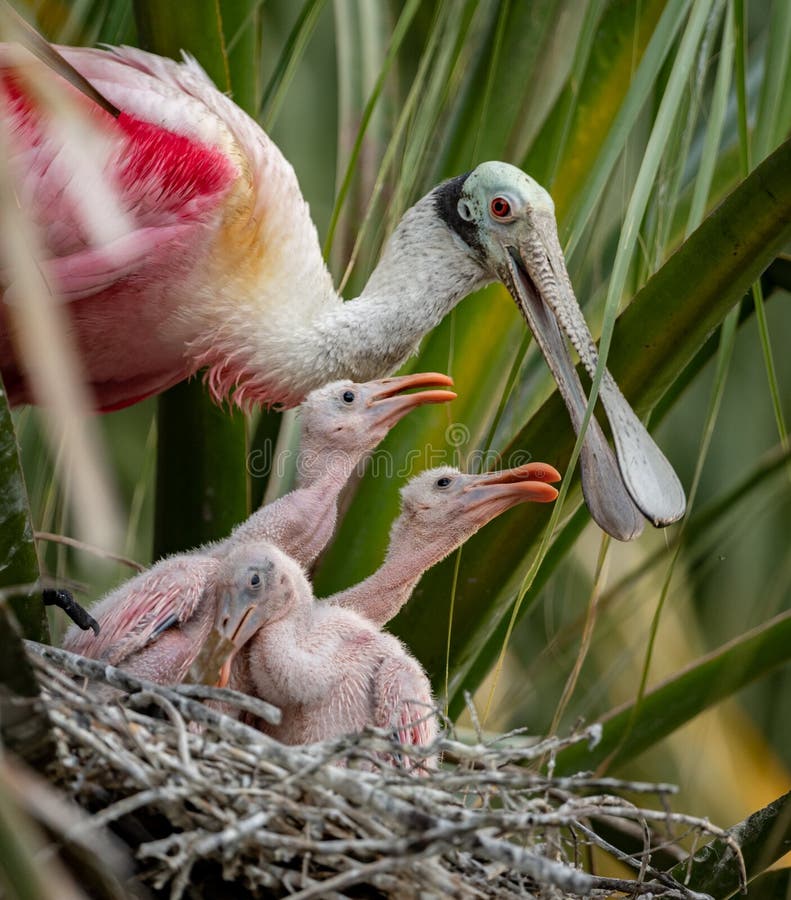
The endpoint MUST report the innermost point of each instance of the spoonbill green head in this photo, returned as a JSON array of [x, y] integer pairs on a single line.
[[507, 220]]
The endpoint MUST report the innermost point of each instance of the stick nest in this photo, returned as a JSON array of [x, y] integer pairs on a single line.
[[200, 797]]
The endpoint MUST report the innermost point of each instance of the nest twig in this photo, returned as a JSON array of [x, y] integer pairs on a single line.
[[214, 798]]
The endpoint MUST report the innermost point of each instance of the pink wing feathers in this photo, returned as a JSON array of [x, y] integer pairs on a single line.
[[169, 162], [403, 701], [132, 615], [205, 254], [165, 181]]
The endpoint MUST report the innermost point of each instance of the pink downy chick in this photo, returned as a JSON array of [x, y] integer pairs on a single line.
[[440, 509], [155, 623], [341, 423], [329, 670]]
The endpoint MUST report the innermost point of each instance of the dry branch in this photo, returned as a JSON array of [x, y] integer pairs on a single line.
[[212, 795]]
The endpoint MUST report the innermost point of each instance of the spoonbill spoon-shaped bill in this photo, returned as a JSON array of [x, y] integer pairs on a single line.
[[440, 509], [330, 671], [222, 269], [509, 220], [341, 423]]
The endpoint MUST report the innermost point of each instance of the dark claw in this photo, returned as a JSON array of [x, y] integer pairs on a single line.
[[63, 599]]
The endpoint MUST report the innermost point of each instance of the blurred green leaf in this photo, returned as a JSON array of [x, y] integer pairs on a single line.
[[678, 700], [167, 29], [274, 93], [766, 110], [587, 127], [703, 536], [361, 35], [704, 522], [774, 110], [23, 726], [18, 558], [494, 105], [242, 40], [762, 838], [773, 885], [713, 135], [399, 33], [408, 163], [201, 472], [117, 24], [19, 871], [577, 197]]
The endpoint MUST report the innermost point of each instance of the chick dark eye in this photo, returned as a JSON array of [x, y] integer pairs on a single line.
[[255, 580], [443, 482], [500, 208], [348, 396]]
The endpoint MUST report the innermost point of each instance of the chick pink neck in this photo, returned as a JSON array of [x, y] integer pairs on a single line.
[[380, 596], [302, 522]]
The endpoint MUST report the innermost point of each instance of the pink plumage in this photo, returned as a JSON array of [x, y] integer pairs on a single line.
[[156, 622], [183, 173], [139, 302], [166, 596], [157, 171], [329, 670]]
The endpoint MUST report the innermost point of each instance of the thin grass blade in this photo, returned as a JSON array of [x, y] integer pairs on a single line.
[[202, 489], [274, 93]]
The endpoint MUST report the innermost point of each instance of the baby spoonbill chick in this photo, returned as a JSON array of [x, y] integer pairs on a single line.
[[440, 509], [330, 671]]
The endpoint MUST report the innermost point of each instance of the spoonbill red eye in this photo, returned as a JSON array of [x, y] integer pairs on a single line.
[[500, 208]]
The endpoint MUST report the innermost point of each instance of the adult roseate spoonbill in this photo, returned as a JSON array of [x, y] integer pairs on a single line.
[[440, 509], [221, 236], [329, 670], [155, 623]]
